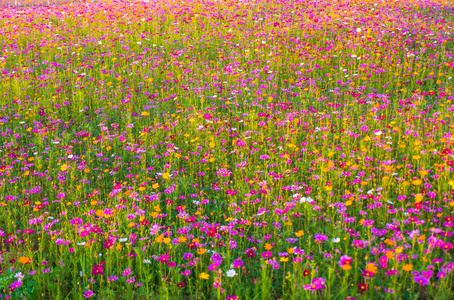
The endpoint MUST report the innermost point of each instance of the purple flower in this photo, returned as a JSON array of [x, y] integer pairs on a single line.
[[266, 254], [15, 285], [126, 272], [88, 294], [237, 263], [292, 240], [317, 284], [188, 256], [320, 238], [131, 280], [421, 280], [213, 267], [441, 275]]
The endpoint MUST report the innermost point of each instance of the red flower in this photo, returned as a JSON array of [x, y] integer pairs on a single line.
[[446, 151], [212, 232], [306, 273], [362, 287]]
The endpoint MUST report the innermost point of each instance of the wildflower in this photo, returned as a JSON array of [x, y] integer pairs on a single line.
[[131, 280], [320, 238], [316, 284], [24, 260], [15, 285], [237, 263], [204, 275], [231, 273], [345, 262], [98, 269], [362, 287], [421, 280], [88, 294], [407, 267]]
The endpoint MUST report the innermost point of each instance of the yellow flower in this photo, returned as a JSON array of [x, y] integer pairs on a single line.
[[201, 251], [346, 267], [119, 247], [145, 113], [64, 167], [166, 175], [407, 267], [268, 246], [416, 182], [416, 157], [204, 275], [284, 259], [212, 144], [418, 198], [155, 186]]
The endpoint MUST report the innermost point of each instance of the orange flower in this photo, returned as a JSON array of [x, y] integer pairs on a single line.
[[407, 267], [24, 260], [371, 268], [299, 233]]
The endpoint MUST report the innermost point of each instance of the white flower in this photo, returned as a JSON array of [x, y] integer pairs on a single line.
[[336, 240], [358, 30], [146, 261], [378, 132], [19, 276], [123, 240], [231, 273]]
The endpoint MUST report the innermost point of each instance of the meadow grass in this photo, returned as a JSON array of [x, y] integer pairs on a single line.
[[227, 150]]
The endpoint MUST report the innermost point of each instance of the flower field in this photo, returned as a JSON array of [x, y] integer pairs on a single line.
[[227, 150]]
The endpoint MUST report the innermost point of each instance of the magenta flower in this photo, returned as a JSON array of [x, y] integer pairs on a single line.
[[237, 263], [88, 294], [421, 280], [345, 260], [317, 284]]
